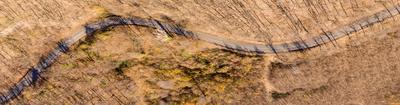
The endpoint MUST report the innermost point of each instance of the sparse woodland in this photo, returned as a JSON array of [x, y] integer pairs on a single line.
[[140, 65]]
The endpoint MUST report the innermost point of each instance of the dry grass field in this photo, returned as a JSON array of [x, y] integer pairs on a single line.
[[138, 65]]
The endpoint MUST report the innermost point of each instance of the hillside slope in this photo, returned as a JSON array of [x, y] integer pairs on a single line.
[[137, 65]]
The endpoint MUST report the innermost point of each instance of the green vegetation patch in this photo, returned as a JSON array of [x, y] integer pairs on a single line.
[[188, 78], [119, 70]]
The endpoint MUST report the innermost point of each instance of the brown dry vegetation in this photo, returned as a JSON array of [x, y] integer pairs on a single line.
[[136, 65]]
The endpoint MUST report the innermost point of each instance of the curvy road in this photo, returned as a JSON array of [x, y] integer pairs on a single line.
[[33, 74]]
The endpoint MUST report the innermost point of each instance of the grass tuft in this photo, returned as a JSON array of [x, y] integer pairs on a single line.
[[121, 67]]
